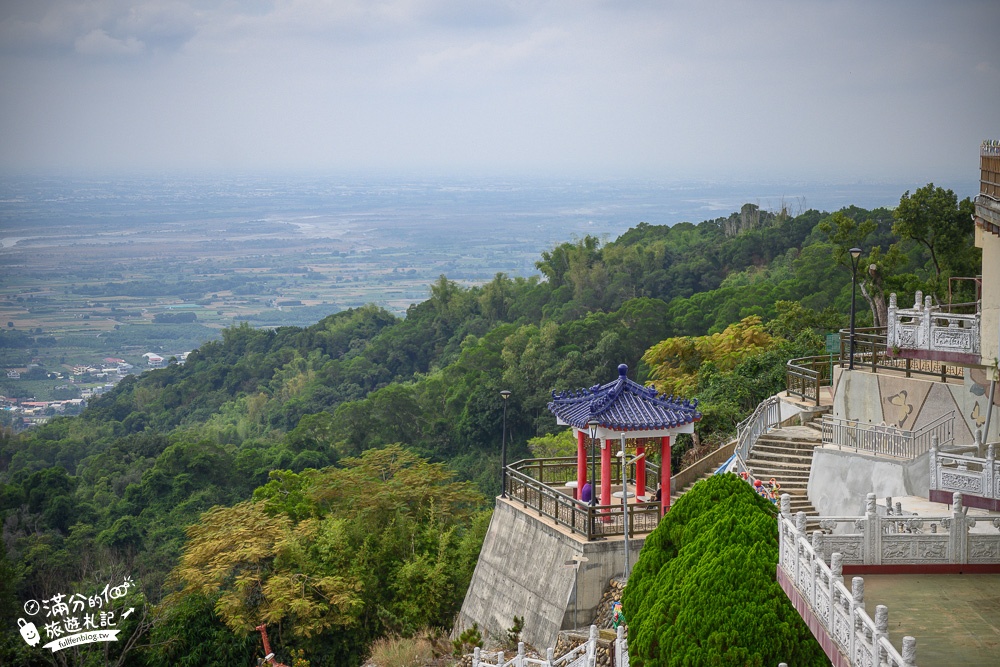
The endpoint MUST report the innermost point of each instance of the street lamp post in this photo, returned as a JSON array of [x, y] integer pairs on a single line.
[[855, 256], [625, 464], [503, 447]]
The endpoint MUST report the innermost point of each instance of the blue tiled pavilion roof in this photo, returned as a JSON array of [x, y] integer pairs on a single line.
[[623, 405]]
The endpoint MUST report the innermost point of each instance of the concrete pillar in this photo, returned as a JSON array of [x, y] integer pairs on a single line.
[[581, 463], [640, 468], [605, 472], [664, 474]]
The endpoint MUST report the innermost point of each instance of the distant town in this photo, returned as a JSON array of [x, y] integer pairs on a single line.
[[88, 381]]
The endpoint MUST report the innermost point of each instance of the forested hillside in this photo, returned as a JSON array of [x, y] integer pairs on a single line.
[[288, 430]]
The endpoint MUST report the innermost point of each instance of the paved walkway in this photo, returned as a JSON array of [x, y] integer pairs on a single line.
[[954, 617]]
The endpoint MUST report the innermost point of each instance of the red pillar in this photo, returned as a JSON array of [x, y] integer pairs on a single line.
[[640, 468], [664, 474], [581, 463], [606, 472]]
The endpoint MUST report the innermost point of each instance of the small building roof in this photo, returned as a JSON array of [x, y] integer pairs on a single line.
[[623, 405]]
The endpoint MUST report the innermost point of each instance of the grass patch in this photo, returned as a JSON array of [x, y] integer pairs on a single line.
[[401, 652]]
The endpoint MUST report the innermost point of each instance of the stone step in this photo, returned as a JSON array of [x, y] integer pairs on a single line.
[[794, 445], [761, 468], [803, 433], [779, 458]]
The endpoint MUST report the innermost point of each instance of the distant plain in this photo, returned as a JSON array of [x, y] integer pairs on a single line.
[[97, 267]]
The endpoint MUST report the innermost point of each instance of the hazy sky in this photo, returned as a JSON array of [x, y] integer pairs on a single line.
[[796, 89]]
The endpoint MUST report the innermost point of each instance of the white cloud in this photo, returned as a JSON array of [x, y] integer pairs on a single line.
[[99, 43]]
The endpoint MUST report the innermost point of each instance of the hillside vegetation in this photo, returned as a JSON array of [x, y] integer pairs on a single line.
[[298, 413]]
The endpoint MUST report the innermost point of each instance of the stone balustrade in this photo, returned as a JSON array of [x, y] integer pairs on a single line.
[[903, 540], [966, 474], [835, 614], [584, 655], [932, 333]]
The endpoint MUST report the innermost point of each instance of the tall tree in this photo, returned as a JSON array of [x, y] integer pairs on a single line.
[[934, 218]]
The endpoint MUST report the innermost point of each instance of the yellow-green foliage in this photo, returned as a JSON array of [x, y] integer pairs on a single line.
[[704, 589], [674, 362], [340, 556]]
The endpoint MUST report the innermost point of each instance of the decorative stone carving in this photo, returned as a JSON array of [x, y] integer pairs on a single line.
[[951, 339], [965, 483], [896, 549], [932, 550], [983, 549]]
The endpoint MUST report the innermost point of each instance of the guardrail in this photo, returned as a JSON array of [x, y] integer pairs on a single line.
[[584, 655], [887, 440], [804, 376], [967, 474], [872, 352], [926, 328], [592, 521], [806, 578]]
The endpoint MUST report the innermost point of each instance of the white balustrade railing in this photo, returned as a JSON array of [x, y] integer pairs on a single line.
[[621, 648], [584, 655], [886, 440], [924, 328], [895, 539], [840, 612], [964, 473]]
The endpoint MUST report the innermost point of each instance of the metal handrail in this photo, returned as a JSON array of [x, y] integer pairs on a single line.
[[871, 352], [888, 440], [804, 376], [763, 419], [592, 521]]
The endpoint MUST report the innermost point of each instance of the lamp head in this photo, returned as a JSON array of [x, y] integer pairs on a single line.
[[505, 394], [855, 252], [592, 426]]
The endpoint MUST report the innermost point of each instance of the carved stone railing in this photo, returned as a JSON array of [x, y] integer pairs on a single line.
[[584, 655], [886, 440], [807, 578], [932, 333], [895, 539], [968, 475]]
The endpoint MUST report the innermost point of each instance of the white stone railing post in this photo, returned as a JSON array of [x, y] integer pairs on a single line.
[[935, 471], [881, 630], [618, 644], [892, 325], [909, 652], [959, 530], [927, 323], [989, 472], [520, 654], [872, 551], [550, 656], [857, 602], [592, 645], [475, 657]]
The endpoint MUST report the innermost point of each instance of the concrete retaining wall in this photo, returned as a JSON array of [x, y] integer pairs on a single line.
[[839, 480], [521, 572], [912, 403]]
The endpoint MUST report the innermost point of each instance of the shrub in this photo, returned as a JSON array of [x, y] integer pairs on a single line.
[[704, 591]]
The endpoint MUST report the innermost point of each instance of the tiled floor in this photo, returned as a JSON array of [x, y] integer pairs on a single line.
[[954, 617]]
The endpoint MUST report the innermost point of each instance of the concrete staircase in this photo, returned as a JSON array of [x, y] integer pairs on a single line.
[[785, 454]]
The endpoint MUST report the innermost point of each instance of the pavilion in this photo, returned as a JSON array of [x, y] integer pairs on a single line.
[[624, 407]]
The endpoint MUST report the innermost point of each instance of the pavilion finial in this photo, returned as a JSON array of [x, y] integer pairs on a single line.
[[622, 370]]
